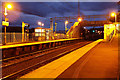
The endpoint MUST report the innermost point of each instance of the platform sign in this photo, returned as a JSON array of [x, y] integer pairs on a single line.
[[25, 24], [109, 31], [5, 23]]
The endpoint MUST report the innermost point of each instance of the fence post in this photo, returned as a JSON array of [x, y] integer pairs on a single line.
[[14, 37], [23, 25]]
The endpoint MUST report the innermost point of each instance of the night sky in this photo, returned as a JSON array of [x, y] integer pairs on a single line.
[[32, 12]]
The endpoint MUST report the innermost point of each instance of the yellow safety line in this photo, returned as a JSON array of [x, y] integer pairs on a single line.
[[25, 44], [55, 68]]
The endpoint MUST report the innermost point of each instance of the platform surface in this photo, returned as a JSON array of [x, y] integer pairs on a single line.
[[55, 68], [32, 43], [101, 62]]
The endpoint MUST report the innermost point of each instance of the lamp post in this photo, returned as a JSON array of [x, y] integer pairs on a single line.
[[66, 22], [9, 6], [55, 26], [113, 14]]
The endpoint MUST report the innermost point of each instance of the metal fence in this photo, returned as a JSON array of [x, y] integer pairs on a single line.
[[29, 37]]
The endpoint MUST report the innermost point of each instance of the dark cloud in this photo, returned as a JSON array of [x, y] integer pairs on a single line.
[[29, 11], [45, 8], [97, 6]]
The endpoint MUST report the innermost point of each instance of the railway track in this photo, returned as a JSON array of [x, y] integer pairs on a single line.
[[12, 60], [16, 67]]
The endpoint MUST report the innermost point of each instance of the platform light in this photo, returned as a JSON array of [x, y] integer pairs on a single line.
[[113, 14], [9, 6], [79, 19], [66, 22]]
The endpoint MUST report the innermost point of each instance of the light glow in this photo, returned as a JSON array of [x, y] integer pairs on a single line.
[[39, 30], [66, 22], [79, 19], [113, 14], [5, 14], [42, 24], [39, 23], [9, 6]]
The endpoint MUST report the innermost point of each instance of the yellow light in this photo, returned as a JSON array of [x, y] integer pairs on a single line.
[[113, 14], [66, 22], [9, 6], [79, 19]]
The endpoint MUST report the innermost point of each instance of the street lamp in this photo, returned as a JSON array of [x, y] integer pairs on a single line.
[[113, 14], [66, 22], [79, 19], [8, 6]]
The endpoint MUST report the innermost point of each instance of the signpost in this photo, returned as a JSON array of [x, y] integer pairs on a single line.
[[24, 25], [4, 23]]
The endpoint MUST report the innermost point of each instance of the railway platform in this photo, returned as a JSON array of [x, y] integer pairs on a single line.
[[12, 50], [32, 43], [98, 59], [100, 63]]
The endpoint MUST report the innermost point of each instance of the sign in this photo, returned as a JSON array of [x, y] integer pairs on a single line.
[[25, 24], [109, 31], [5, 23]]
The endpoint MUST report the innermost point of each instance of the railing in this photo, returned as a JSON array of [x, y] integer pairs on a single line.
[[28, 37]]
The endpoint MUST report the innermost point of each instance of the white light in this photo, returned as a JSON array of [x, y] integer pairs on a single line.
[[37, 30], [5, 14], [84, 27], [39, 23], [43, 30], [42, 24]]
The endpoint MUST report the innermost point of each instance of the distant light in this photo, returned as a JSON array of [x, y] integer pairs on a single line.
[[42, 24], [113, 14], [39, 23], [37, 30], [79, 19], [93, 30]]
